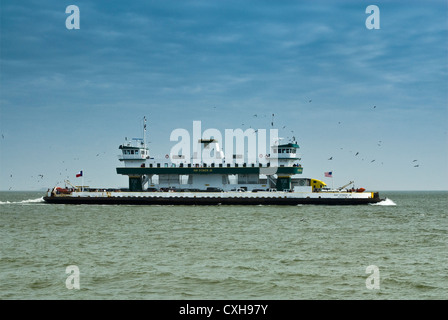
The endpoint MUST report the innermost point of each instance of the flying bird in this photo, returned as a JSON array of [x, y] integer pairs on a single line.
[[356, 153], [331, 158]]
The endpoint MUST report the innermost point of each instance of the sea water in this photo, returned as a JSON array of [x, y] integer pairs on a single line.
[[396, 249]]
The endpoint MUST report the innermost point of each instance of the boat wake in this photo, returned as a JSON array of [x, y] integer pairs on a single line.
[[38, 200], [385, 202]]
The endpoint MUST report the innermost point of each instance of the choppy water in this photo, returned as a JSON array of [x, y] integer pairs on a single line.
[[220, 252]]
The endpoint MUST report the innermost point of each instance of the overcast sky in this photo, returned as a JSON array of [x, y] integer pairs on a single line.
[[69, 97]]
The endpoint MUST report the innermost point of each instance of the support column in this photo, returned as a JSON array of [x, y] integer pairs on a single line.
[[283, 183], [136, 183]]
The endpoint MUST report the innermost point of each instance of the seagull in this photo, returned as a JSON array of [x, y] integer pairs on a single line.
[[331, 158], [356, 153]]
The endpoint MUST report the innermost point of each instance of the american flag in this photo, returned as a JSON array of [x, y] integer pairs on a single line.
[[328, 174]]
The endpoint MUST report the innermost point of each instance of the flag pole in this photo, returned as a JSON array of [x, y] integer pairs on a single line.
[[82, 181], [332, 180]]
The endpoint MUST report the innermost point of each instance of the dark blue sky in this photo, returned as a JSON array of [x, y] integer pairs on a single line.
[[69, 97]]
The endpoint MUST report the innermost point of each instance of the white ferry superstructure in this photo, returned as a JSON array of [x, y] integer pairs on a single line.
[[174, 180]]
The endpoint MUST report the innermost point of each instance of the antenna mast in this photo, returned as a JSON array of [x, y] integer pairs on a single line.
[[144, 131]]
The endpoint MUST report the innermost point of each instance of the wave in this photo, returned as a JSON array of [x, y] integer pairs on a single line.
[[37, 200], [385, 202]]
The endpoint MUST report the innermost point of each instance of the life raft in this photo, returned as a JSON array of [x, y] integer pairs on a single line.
[[63, 190]]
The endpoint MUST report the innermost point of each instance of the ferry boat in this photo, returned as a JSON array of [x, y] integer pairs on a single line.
[[174, 180]]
